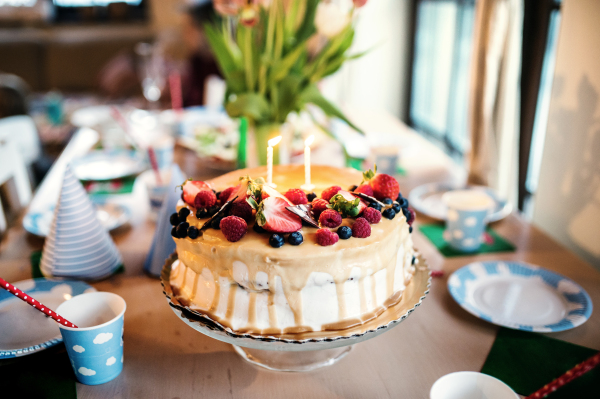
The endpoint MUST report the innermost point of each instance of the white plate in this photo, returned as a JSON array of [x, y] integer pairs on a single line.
[[111, 216], [107, 165], [520, 296], [427, 199], [24, 330], [91, 116]]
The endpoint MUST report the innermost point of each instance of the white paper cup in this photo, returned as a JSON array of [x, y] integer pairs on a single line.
[[156, 193], [466, 218], [470, 385], [386, 158], [163, 147], [95, 349]]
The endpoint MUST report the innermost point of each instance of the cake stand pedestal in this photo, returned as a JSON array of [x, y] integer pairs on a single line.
[[306, 351], [292, 361]]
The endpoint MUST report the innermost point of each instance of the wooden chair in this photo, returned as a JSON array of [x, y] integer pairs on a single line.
[[14, 180]]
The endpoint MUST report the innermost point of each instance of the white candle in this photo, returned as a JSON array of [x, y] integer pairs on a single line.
[[273, 142], [307, 184]]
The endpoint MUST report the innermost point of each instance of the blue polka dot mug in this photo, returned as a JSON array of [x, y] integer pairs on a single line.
[[95, 348], [466, 218]]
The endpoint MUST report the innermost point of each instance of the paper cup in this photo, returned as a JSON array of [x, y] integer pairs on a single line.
[[95, 348], [163, 147], [470, 385], [386, 159], [466, 218], [156, 193]]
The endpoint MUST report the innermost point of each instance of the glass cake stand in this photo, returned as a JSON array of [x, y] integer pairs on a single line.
[[308, 351]]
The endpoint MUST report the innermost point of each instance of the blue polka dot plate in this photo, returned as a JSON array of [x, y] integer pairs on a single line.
[[520, 296], [25, 330]]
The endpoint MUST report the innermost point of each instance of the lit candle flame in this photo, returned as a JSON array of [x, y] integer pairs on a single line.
[[309, 140], [274, 141]]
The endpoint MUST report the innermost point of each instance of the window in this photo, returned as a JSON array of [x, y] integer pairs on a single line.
[[541, 113], [441, 58]]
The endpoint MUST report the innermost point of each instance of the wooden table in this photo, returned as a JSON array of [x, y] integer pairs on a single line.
[[164, 358]]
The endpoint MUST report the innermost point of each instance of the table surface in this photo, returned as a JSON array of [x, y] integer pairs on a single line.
[[164, 358]]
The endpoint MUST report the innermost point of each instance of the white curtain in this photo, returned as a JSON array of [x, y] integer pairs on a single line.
[[495, 96]]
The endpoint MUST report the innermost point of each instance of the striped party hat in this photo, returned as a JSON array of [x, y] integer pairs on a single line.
[[78, 246]]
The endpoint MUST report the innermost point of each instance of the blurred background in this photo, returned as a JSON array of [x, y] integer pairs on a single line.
[[502, 93]]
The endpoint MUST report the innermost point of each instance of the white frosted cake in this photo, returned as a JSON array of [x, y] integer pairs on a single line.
[[258, 284]]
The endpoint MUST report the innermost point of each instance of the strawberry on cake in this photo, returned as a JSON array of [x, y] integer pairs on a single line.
[[268, 261]]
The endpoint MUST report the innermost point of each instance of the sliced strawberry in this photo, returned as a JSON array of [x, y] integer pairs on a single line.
[[191, 189], [350, 197], [241, 192], [247, 188], [271, 192], [272, 216]]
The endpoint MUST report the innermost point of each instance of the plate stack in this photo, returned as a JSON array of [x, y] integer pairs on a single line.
[[78, 246]]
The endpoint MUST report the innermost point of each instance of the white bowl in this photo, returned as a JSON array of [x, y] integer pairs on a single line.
[[470, 385]]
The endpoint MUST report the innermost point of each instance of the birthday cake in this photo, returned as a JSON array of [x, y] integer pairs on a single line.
[[272, 259]]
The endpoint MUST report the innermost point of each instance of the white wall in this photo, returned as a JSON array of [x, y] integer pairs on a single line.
[[567, 202], [378, 80]]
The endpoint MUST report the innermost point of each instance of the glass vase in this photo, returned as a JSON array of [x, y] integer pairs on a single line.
[[259, 143]]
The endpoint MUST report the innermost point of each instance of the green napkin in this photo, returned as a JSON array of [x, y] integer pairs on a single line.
[[109, 187], [527, 361], [44, 375], [435, 233], [36, 259]]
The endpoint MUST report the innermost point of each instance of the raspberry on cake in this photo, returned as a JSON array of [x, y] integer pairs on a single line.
[[326, 237], [361, 228], [205, 199], [319, 205], [286, 277], [372, 215], [297, 196], [330, 218], [233, 228], [330, 192]]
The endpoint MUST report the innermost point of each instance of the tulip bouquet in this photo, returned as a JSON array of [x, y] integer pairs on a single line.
[[272, 54]]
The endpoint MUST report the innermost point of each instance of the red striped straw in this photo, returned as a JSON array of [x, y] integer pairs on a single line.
[[36, 304], [154, 164], [567, 377], [175, 87], [120, 119]]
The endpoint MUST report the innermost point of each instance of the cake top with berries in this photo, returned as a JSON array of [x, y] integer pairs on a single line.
[[263, 227]]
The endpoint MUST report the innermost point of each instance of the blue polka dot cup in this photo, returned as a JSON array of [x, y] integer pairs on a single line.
[[466, 218], [95, 348]]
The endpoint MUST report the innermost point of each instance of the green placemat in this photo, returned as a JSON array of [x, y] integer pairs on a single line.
[[435, 233], [44, 375], [117, 186], [527, 361]]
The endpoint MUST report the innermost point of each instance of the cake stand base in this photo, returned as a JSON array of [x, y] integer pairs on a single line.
[[292, 361]]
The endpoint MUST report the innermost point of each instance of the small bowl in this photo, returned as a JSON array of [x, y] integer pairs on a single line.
[[470, 385]]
